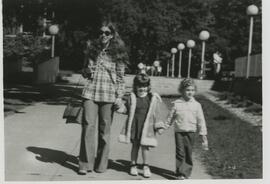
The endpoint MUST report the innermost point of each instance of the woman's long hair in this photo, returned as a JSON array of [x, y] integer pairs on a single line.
[[116, 49]]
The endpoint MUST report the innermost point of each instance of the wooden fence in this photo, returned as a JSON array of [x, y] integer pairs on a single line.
[[255, 69]]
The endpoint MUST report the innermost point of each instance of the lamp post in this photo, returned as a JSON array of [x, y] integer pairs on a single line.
[[173, 51], [21, 23], [168, 68], [180, 47], [204, 35], [190, 45], [53, 29], [252, 10], [44, 22]]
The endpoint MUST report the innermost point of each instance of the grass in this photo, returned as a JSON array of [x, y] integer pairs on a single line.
[[235, 146], [239, 101]]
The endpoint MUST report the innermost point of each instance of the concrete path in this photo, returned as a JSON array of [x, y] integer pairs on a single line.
[[39, 146]]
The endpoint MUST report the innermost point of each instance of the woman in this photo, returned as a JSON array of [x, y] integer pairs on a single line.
[[105, 87]]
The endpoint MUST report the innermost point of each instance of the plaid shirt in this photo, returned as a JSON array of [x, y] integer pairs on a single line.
[[107, 82]]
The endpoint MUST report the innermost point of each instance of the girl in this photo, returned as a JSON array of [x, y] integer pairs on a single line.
[[186, 114], [144, 120]]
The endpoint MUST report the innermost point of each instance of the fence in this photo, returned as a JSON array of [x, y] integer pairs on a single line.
[[255, 69]]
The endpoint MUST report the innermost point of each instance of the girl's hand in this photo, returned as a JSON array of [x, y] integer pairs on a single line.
[[204, 142], [118, 103]]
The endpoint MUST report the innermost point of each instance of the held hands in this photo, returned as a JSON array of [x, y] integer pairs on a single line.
[[118, 104], [204, 142], [160, 131]]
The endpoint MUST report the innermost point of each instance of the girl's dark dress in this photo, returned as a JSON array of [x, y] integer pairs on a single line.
[[142, 107]]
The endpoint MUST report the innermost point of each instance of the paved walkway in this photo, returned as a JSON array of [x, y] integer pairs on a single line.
[[39, 146]]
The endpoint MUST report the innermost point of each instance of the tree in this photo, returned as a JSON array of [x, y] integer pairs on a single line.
[[232, 28], [150, 28]]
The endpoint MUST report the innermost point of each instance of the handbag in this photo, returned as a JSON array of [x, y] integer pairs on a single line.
[[74, 110]]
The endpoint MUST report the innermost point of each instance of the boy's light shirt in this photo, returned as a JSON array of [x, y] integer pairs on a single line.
[[186, 116]]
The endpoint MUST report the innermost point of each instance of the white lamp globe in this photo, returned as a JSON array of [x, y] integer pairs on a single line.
[[156, 63], [140, 66], [252, 10], [204, 35], [190, 43], [173, 50], [53, 29], [181, 46]]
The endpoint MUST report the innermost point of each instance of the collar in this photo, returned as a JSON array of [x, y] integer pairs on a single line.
[[182, 100]]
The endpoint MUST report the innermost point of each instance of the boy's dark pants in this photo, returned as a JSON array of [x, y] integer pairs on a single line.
[[184, 143], [92, 111]]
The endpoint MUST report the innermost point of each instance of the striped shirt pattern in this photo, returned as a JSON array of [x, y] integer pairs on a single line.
[[107, 82]]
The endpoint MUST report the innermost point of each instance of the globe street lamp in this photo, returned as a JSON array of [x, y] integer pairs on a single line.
[[252, 10], [180, 47], [173, 51], [204, 35], [141, 68], [53, 29], [190, 45]]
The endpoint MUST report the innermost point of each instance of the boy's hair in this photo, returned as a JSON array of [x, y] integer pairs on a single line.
[[142, 80], [186, 83]]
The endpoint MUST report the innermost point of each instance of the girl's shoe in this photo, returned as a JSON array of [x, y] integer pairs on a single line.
[[146, 171], [133, 170]]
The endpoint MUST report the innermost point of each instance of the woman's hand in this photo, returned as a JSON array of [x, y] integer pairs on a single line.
[[86, 73]]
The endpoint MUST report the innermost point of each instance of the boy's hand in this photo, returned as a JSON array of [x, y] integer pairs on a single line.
[[160, 131], [204, 142]]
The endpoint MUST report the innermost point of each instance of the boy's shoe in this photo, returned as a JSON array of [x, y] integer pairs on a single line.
[[146, 171], [82, 172], [181, 177], [133, 170]]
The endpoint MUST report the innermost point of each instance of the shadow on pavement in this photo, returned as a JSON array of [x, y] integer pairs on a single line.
[[124, 165], [118, 166], [55, 156], [23, 92], [71, 162]]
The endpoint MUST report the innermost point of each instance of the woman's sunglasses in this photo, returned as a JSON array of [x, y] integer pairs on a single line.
[[107, 33]]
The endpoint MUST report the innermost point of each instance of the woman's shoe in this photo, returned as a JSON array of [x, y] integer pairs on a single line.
[[82, 172], [133, 170], [146, 171]]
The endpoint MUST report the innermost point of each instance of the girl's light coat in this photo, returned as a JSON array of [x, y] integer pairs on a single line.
[[153, 120]]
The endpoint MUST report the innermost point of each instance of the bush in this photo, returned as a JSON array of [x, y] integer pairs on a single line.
[[32, 48]]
